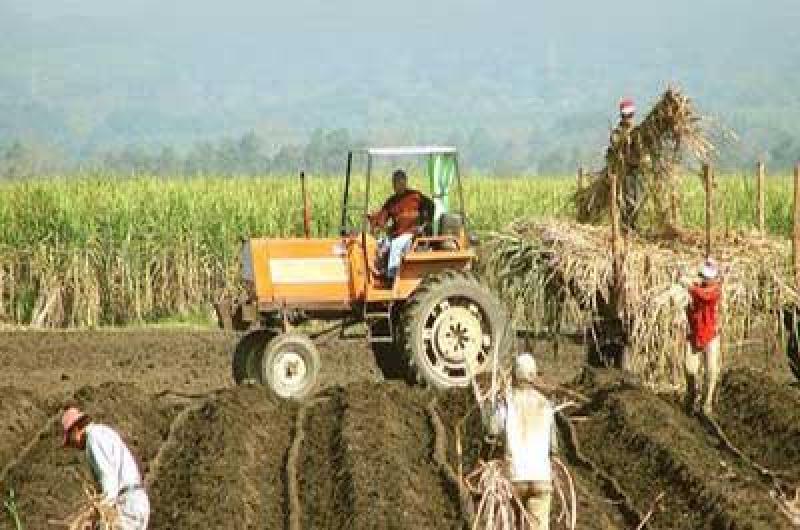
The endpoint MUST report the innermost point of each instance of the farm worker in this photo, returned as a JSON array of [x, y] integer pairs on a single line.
[[112, 465], [703, 339], [626, 163], [409, 210], [526, 417]]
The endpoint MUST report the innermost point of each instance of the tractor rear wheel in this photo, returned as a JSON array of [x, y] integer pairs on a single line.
[[452, 316], [290, 366], [246, 361]]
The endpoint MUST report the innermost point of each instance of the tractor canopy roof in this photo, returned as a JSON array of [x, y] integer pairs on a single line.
[[410, 150]]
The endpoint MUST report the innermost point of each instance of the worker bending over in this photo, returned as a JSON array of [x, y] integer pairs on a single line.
[[703, 339], [526, 418], [409, 211], [113, 467]]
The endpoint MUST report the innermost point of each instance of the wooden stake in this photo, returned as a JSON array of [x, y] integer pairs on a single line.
[[760, 174], [306, 207], [796, 238], [708, 178], [618, 287], [581, 178], [614, 228]]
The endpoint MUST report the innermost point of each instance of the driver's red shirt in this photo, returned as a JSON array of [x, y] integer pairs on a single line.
[[406, 210], [702, 314]]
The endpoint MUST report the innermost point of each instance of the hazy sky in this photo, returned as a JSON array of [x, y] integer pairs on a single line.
[[237, 58], [552, 17]]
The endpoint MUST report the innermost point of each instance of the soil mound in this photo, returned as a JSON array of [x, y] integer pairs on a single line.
[[225, 465], [762, 418], [646, 446]]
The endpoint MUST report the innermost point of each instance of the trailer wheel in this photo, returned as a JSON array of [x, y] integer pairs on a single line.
[[290, 366]]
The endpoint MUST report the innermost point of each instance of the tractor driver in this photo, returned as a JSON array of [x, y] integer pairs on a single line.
[[409, 210]]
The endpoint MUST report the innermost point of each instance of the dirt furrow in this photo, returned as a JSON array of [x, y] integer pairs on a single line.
[[602, 503], [25, 420], [325, 485], [649, 447], [388, 446], [168, 445], [226, 468]]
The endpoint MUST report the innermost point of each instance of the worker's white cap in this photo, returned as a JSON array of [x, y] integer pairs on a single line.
[[525, 367], [709, 270]]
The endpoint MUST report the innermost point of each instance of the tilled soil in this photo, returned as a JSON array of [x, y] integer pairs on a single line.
[[762, 419], [645, 445], [224, 464], [362, 453], [44, 478]]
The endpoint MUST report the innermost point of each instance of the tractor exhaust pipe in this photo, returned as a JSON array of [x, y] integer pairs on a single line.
[[306, 207]]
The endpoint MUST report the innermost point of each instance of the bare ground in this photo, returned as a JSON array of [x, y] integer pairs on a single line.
[[362, 453]]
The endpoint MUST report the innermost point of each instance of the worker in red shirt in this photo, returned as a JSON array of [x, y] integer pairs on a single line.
[[409, 211], [703, 313]]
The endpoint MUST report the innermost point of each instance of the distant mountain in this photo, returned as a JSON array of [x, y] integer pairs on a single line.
[[531, 86]]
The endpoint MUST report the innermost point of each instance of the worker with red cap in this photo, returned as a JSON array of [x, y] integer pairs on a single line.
[[625, 162], [703, 338], [113, 467]]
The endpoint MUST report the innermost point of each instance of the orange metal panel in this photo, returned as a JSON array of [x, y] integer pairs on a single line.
[[305, 248], [449, 256], [358, 269], [299, 271], [410, 276], [261, 272], [320, 292]]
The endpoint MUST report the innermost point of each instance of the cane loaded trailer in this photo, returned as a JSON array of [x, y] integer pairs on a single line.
[[436, 313]]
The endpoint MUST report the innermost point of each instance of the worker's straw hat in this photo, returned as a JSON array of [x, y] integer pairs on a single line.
[[708, 270], [525, 367], [69, 419]]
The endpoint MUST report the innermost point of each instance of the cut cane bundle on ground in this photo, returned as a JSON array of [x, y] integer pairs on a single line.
[[94, 509], [559, 275], [671, 133]]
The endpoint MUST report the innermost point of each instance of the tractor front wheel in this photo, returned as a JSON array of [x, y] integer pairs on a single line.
[[450, 318], [246, 361], [290, 366]]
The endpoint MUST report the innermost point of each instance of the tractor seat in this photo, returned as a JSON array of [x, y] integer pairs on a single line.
[[450, 224]]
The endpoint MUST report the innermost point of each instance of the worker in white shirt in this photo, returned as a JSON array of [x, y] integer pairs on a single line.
[[526, 417], [112, 465]]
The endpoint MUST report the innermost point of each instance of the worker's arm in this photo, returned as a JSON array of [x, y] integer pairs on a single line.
[[380, 218], [104, 461]]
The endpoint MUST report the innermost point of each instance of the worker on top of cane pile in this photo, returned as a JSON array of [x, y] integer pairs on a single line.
[[624, 159], [526, 418], [703, 339], [113, 467]]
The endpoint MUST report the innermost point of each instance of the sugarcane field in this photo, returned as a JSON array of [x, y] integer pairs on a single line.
[[399, 265]]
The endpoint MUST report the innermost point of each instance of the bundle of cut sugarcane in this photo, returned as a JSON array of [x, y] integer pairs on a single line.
[[668, 135], [556, 274]]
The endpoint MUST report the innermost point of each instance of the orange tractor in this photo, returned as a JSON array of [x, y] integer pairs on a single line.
[[435, 312]]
